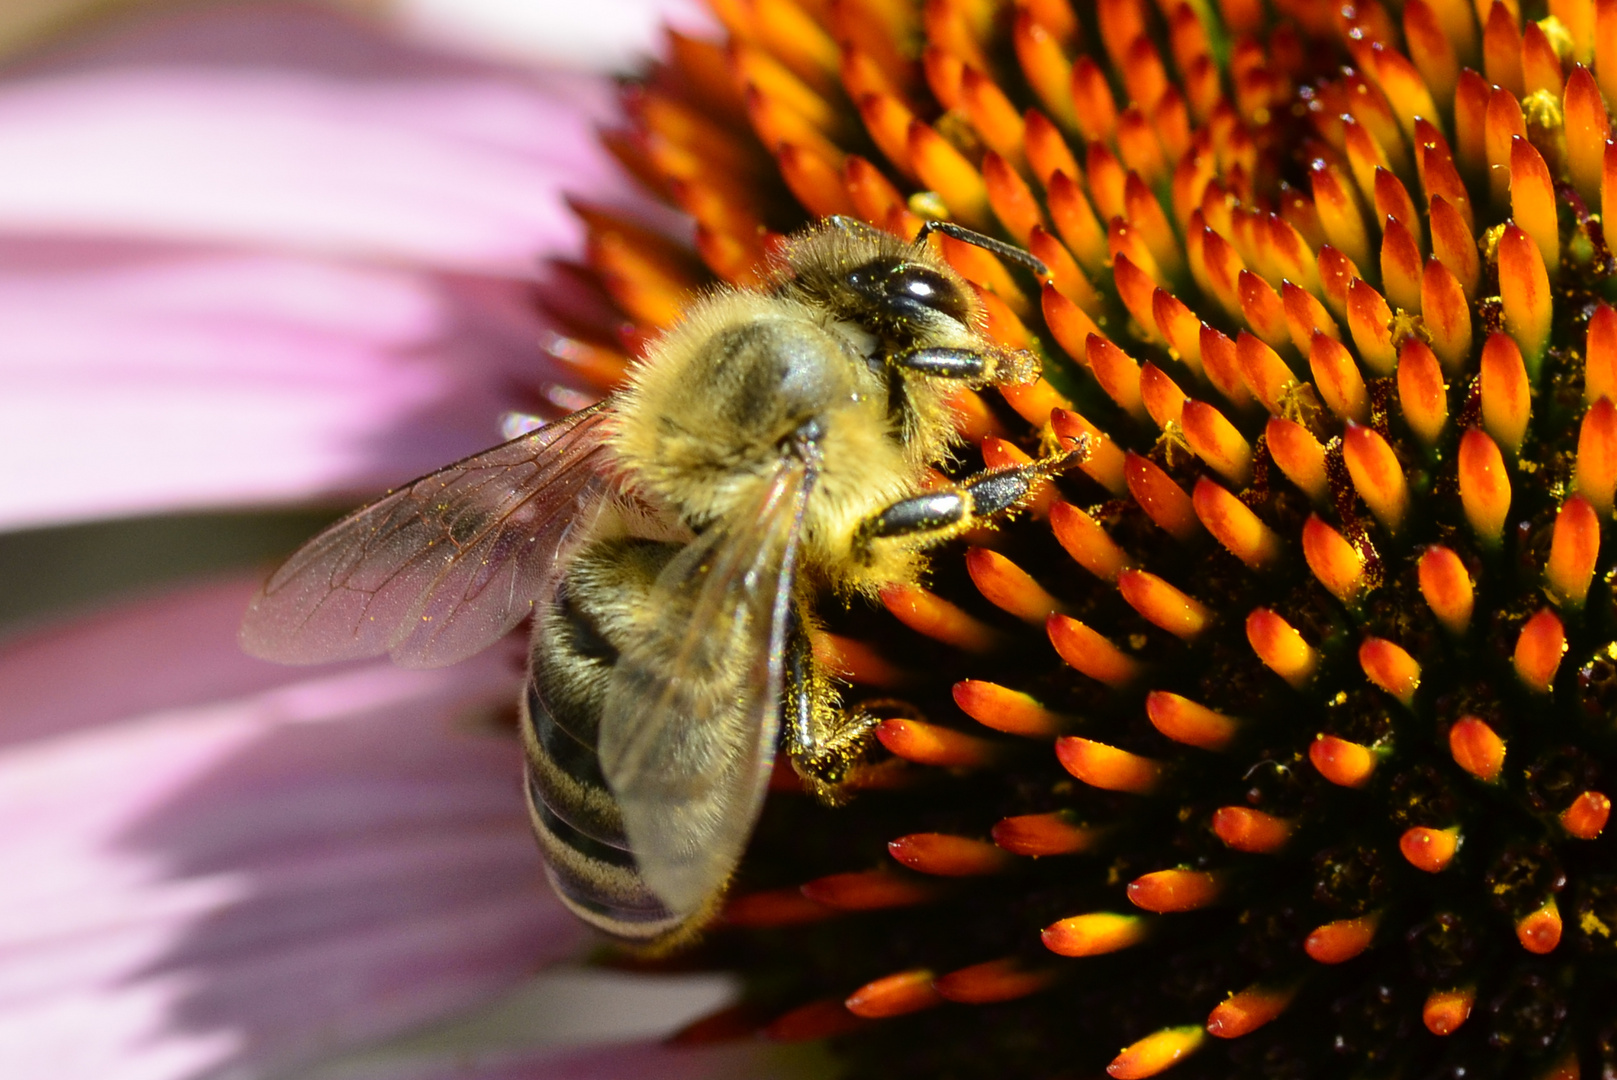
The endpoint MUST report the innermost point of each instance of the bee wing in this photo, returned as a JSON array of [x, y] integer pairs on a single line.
[[443, 567], [688, 727]]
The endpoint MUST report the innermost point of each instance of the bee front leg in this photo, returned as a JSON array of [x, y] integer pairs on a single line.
[[824, 741], [994, 366], [937, 515]]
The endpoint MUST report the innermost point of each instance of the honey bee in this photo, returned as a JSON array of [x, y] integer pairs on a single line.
[[669, 542]]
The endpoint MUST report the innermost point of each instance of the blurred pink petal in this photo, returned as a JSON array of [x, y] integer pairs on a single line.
[[603, 35], [246, 869], [633, 1062], [287, 127], [264, 253], [142, 379]]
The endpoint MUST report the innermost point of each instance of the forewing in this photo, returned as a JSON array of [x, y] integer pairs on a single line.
[[443, 567], [688, 729]]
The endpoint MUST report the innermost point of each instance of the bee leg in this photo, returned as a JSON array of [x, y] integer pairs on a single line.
[[967, 365], [824, 741], [938, 515], [989, 367]]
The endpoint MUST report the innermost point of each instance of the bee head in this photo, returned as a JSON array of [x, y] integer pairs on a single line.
[[901, 293]]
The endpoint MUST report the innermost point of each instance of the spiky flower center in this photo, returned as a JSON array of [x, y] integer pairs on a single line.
[[1303, 695]]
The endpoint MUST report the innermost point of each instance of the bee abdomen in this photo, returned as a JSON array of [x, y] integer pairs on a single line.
[[580, 834], [574, 814]]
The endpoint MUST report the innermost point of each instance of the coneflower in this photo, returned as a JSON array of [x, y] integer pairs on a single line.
[[1276, 742]]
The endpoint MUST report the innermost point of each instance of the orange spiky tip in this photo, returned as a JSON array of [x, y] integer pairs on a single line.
[[774, 907], [1087, 542], [1445, 1010], [1340, 941], [1476, 748], [1162, 604], [1305, 315], [1242, 532], [1281, 648], [1484, 487], [1378, 477], [1245, 1012], [1163, 501], [1265, 374], [1009, 587], [1600, 355], [898, 994], [1300, 457], [1116, 371], [1344, 763], [1538, 651], [1091, 653], [929, 744], [856, 661], [1401, 267], [816, 1020], [1446, 587], [1107, 767], [1506, 400], [1429, 849], [1156, 1053], [1045, 834], [1334, 561], [1216, 441], [1105, 461], [1007, 710], [1446, 316], [1369, 319], [1532, 200], [994, 981], [728, 1024], [1587, 128], [1388, 666], [1164, 401], [1184, 721], [1338, 379], [1253, 831], [1596, 472], [1574, 550], [1422, 394], [870, 890], [930, 614], [949, 856], [1586, 817], [1169, 891], [1096, 933], [1524, 292], [1539, 931]]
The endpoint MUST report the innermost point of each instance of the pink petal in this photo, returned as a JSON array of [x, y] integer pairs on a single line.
[[141, 378], [292, 128], [215, 864], [262, 253], [640, 1061]]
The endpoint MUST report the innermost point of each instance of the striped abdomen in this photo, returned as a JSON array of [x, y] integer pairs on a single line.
[[575, 643]]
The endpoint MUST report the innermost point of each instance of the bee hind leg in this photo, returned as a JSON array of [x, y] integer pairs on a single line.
[[825, 742]]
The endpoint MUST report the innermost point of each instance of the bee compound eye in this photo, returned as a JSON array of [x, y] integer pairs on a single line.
[[918, 285], [909, 290]]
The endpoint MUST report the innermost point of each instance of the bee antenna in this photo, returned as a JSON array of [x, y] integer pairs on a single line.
[[987, 243]]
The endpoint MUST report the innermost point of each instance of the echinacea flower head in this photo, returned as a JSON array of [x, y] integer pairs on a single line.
[[1277, 738]]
